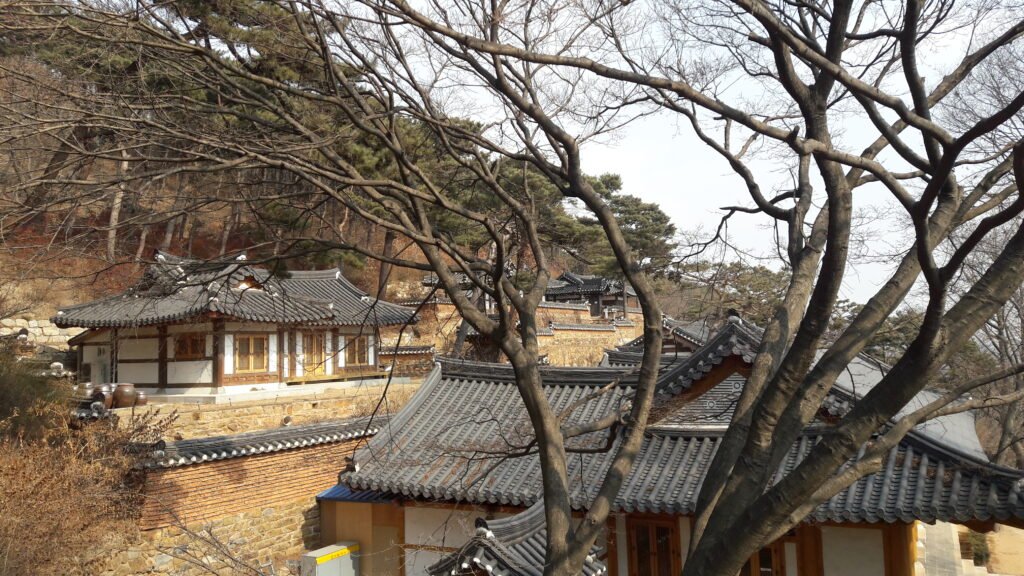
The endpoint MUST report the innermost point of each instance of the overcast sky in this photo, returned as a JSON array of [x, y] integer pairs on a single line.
[[661, 161]]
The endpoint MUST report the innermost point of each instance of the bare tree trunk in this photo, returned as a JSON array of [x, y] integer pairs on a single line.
[[384, 274], [229, 227], [141, 250], [115, 208]]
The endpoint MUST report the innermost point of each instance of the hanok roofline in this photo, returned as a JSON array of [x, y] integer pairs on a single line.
[[938, 472], [178, 289]]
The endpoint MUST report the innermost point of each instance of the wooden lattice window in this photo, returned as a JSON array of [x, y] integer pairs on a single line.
[[357, 351], [252, 353], [190, 346]]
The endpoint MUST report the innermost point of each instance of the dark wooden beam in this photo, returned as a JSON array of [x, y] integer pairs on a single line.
[[218, 352], [161, 376], [113, 354]]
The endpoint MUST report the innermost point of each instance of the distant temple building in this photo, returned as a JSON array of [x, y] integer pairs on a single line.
[[201, 328], [600, 293]]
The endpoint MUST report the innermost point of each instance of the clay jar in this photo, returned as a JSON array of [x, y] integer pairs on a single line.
[[102, 394], [124, 396], [140, 398]]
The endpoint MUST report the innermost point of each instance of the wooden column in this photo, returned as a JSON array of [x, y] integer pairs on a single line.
[[333, 353], [113, 354], [80, 358], [218, 352], [161, 377], [291, 353]]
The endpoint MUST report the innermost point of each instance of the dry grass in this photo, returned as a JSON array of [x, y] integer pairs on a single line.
[[390, 404], [70, 493]]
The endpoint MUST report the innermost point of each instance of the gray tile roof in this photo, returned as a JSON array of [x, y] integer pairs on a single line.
[[569, 284], [590, 327], [186, 452], [511, 546], [175, 289], [452, 441]]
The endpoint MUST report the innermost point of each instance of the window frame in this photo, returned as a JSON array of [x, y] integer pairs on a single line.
[[351, 340], [651, 523], [190, 354], [251, 336]]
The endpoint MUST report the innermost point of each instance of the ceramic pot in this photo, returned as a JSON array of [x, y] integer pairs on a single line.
[[106, 397], [140, 398], [124, 396]]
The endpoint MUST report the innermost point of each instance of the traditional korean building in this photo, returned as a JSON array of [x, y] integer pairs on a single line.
[[226, 327], [438, 483], [603, 295]]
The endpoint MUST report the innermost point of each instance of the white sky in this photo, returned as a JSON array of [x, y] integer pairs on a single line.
[[661, 161]]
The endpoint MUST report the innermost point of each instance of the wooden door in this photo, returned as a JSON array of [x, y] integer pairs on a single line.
[[313, 354], [653, 546]]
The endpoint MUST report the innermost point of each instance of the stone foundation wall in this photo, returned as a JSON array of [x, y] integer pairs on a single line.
[[567, 347], [203, 420], [1005, 550], [408, 365], [39, 331], [276, 535]]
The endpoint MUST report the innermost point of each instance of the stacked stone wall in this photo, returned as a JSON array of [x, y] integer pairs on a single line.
[[41, 332], [204, 420], [569, 347], [408, 365]]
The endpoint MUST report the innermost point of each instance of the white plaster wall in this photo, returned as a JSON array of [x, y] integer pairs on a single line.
[[436, 527], [198, 327], [138, 349], [141, 331], [852, 551], [341, 350], [99, 358], [137, 372], [194, 371], [439, 526], [97, 336], [790, 558], [299, 357], [417, 561], [272, 361], [229, 354], [249, 327]]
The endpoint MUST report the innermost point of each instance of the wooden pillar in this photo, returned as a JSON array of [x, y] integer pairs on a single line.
[[333, 353], [292, 347], [114, 335], [900, 544], [218, 352], [809, 550], [80, 359], [161, 377]]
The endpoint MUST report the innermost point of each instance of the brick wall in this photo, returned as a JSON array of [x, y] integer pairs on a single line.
[[262, 507], [211, 490]]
